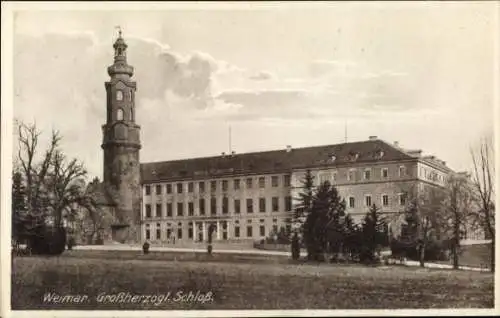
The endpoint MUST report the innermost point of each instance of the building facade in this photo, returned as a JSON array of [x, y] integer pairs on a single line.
[[248, 195]]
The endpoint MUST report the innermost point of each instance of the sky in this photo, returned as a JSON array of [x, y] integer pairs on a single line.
[[418, 73]]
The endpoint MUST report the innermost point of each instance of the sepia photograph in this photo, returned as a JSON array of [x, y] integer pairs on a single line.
[[249, 158]]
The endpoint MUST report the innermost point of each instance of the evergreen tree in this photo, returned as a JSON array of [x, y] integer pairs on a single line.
[[374, 233], [19, 208], [303, 207]]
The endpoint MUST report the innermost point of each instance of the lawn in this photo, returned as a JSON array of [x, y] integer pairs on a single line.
[[239, 282]]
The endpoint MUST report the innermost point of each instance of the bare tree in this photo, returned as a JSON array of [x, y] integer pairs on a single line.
[[483, 175], [457, 211], [422, 215], [54, 185]]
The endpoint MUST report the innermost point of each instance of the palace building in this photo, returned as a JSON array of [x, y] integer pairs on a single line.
[[245, 195]]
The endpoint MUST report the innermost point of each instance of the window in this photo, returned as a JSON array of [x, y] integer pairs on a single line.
[[385, 200], [180, 209], [190, 187], [148, 232], [225, 205], [334, 176], [262, 230], [323, 177], [288, 204], [147, 189], [190, 230], [169, 188], [236, 184], [249, 231], [148, 210], [402, 171], [158, 189], [201, 186], [179, 231], [351, 202], [119, 114], [262, 182], [368, 173], [249, 206], [169, 209], [275, 204], [213, 186], [179, 187], [224, 185], [385, 173], [190, 208], [249, 183], [158, 231], [119, 95], [158, 210], [274, 181], [275, 228], [262, 204], [213, 206], [368, 200], [236, 231], [202, 206], [237, 206], [351, 176], [130, 96], [286, 180], [402, 199]]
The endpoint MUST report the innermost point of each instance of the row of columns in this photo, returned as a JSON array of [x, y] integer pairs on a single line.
[[204, 229]]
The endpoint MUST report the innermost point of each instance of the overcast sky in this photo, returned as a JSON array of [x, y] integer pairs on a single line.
[[418, 73]]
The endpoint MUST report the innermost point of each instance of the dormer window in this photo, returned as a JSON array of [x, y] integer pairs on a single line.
[[119, 95], [353, 156], [332, 158], [379, 154]]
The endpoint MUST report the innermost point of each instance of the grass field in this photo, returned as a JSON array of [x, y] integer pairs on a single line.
[[240, 282]]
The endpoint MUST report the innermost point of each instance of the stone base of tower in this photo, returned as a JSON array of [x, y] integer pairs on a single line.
[[123, 234]]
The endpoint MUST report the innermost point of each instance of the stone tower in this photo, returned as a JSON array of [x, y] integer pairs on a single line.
[[121, 145]]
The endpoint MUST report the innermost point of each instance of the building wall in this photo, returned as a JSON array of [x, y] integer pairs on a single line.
[[163, 195]]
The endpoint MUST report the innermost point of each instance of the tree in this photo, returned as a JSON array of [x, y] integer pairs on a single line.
[[483, 184], [19, 209], [374, 234], [422, 215], [352, 237], [456, 212], [305, 199], [54, 186], [323, 231]]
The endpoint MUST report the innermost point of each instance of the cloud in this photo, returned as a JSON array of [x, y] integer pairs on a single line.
[[262, 76]]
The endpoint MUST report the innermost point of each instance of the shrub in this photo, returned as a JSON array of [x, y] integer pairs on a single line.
[[434, 250], [48, 240]]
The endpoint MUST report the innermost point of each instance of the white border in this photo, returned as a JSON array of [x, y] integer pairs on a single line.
[[8, 9]]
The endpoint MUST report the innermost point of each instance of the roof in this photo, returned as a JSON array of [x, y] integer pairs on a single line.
[[272, 161]]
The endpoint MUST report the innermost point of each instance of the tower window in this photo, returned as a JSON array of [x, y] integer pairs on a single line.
[[130, 96], [119, 114], [119, 95]]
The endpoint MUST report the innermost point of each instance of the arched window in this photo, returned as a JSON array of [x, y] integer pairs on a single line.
[[131, 114], [119, 114], [119, 95]]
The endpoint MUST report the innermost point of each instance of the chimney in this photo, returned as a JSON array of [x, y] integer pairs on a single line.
[[372, 138], [396, 144], [415, 153], [288, 148], [233, 153], [223, 154]]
